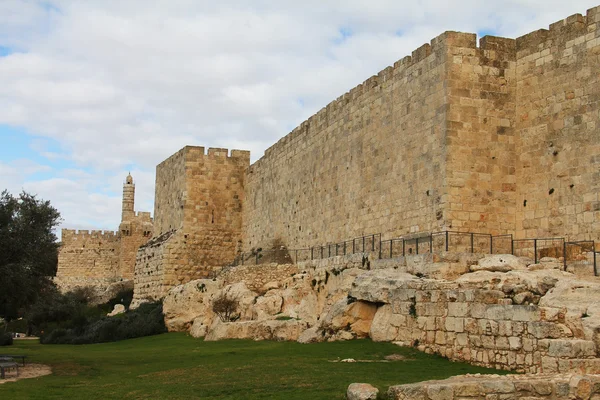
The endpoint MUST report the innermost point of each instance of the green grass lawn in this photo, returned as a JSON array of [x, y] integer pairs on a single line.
[[177, 366]]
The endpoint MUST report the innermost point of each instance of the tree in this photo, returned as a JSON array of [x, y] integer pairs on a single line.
[[28, 251]]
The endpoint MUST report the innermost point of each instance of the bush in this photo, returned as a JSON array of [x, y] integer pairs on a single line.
[[6, 339], [147, 320], [226, 307]]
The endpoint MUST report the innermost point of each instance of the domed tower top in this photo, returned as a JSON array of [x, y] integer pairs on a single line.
[[128, 199]]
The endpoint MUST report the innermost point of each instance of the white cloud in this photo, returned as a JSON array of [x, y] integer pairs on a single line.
[[127, 83]]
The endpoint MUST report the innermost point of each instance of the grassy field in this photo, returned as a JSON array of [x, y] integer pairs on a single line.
[[176, 366]]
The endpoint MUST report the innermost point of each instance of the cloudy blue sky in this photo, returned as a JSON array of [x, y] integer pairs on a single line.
[[92, 89]]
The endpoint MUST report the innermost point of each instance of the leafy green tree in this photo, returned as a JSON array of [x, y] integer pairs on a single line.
[[28, 251]]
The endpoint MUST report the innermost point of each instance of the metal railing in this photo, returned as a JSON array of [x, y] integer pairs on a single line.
[[463, 242]]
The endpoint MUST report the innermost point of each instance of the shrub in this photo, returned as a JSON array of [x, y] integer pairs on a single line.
[[144, 321], [6, 339], [226, 308]]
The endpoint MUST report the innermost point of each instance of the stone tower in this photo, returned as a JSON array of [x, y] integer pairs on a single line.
[[128, 199], [135, 229]]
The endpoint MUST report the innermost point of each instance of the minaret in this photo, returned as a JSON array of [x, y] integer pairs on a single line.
[[128, 199]]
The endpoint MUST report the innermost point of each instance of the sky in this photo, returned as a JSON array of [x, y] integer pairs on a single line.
[[93, 89]]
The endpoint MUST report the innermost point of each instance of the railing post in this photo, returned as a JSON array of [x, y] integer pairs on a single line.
[[417, 245], [595, 263], [296, 256], [353, 246], [344, 248], [431, 243], [373, 243], [472, 249], [403, 247], [491, 244], [312, 253], [565, 255], [512, 245], [446, 240], [535, 251], [391, 248]]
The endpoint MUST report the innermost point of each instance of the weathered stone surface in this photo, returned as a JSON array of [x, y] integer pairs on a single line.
[[362, 391], [311, 335], [538, 387], [257, 330], [186, 303], [499, 263], [118, 309]]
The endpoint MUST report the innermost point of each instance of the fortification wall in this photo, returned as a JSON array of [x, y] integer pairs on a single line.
[[370, 161], [481, 148], [558, 91], [478, 325], [198, 219], [88, 254]]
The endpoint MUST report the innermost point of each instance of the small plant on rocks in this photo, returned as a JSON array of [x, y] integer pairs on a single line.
[[226, 308]]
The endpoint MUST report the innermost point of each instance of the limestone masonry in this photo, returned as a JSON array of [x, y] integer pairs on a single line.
[[96, 258]]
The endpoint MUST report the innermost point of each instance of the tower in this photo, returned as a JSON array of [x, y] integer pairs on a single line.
[[128, 199]]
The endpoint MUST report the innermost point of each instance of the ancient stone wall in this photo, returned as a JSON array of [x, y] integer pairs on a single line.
[[500, 138], [479, 325], [558, 126], [370, 161], [198, 219], [480, 154], [99, 258], [88, 255]]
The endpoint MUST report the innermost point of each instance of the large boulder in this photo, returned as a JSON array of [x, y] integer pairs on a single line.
[[379, 286], [311, 335], [362, 391], [185, 303], [245, 297], [356, 317], [118, 309], [256, 330], [499, 263], [581, 299]]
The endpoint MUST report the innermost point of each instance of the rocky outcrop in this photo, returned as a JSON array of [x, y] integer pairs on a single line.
[[508, 314]]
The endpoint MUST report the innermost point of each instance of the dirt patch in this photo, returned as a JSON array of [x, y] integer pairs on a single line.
[[27, 372]]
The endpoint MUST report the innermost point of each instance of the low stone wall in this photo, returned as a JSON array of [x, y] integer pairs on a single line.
[[483, 387], [467, 321]]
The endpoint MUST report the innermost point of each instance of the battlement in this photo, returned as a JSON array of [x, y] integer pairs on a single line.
[[72, 235], [213, 153], [563, 30]]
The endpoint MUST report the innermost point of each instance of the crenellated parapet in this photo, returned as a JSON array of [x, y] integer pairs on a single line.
[[74, 236], [565, 30]]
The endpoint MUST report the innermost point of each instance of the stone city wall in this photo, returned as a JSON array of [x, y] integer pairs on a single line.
[[198, 221], [479, 326], [500, 138], [88, 255], [558, 129], [370, 161], [483, 387]]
